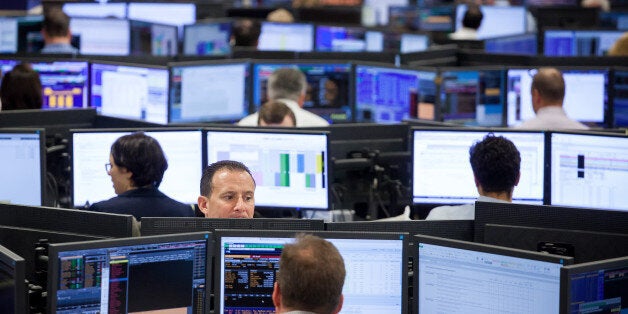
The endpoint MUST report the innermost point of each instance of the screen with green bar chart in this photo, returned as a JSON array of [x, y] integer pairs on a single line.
[[289, 168]]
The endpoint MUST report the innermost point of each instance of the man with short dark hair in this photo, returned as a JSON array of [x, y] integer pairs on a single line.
[[548, 93], [56, 32], [496, 166], [289, 86], [227, 191], [310, 277], [246, 33], [470, 24], [275, 113]]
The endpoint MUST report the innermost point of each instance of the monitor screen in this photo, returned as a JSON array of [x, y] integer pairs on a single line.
[[551, 3], [376, 265], [375, 12], [614, 20], [22, 164], [620, 98], [8, 35], [153, 39], [413, 42], [160, 273], [292, 163], [195, 95], [389, 95], [91, 150], [178, 14], [347, 38], [102, 9], [328, 92], [64, 83], [130, 91], [585, 100], [205, 39], [12, 286], [596, 287], [94, 41], [589, 170], [442, 172], [497, 20], [525, 44], [466, 277], [436, 18], [472, 97], [286, 36], [568, 43]]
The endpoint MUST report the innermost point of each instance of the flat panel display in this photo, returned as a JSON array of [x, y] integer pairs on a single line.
[[22, 164], [286, 36], [94, 41], [207, 39], [497, 20]]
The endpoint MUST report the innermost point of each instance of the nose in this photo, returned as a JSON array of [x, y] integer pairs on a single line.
[[239, 206]]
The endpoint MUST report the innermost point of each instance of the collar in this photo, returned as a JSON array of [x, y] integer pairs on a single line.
[[141, 192], [553, 110]]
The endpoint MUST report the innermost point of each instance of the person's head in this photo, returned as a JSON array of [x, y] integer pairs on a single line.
[[56, 26], [548, 88], [331, 91], [276, 113], [227, 191], [21, 88], [136, 160], [472, 17], [310, 277], [603, 5], [620, 47], [288, 83], [246, 33], [496, 163], [280, 15]]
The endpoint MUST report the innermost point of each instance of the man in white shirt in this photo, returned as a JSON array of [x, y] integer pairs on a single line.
[[289, 86], [496, 163], [548, 92], [470, 24]]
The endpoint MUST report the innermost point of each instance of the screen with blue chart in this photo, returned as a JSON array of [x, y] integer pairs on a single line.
[[204, 39], [620, 99], [579, 42], [525, 44]]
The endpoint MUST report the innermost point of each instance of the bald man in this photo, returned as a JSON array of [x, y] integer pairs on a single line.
[[548, 93]]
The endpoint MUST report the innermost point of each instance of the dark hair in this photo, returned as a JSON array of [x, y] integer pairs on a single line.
[[21, 88], [246, 33], [143, 156], [495, 162], [273, 112], [209, 171], [472, 17], [311, 275], [56, 22], [289, 83], [550, 84]]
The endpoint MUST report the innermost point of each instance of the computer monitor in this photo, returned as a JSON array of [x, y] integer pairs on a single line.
[[471, 277], [388, 94], [435, 18], [375, 12], [207, 39], [409, 42], [12, 286], [329, 87], [586, 95], [293, 163], [94, 41], [91, 150], [525, 44], [132, 91], [102, 9], [588, 170], [179, 13], [168, 225], [376, 265], [472, 96], [348, 38], [497, 20], [567, 43], [620, 97], [153, 39], [614, 20], [209, 91], [565, 16], [442, 173], [286, 36], [169, 272], [29, 38], [23, 166], [8, 34], [450, 229], [64, 82], [550, 3], [595, 287]]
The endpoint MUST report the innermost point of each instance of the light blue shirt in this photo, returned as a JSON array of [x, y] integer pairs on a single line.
[[59, 48]]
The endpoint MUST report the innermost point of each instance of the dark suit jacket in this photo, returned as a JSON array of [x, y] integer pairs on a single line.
[[144, 202]]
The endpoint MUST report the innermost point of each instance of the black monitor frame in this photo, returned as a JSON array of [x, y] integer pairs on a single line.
[[17, 268], [168, 225], [41, 152], [451, 229]]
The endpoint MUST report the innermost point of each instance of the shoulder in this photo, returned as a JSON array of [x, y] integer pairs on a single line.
[[458, 212], [307, 119], [250, 120]]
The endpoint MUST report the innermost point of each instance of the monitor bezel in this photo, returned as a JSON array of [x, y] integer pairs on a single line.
[[17, 263], [42, 157], [170, 225]]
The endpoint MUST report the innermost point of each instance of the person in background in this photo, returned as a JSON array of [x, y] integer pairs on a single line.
[[275, 113], [496, 163], [227, 191], [245, 33], [620, 47], [136, 166], [470, 24], [310, 277], [548, 93], [21, 89], [56, 32], [289, 86]]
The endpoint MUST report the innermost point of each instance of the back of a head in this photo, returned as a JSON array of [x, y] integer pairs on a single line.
[[280, 15], [550, 84], [472, 17], [56, 22], [143, 156], [275, 113], [21, 88], [288, 83], [496, 163], [620, 47], [311, 275], [246, 33]]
